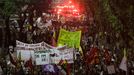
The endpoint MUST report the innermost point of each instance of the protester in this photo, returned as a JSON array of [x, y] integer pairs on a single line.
[[90, 58]]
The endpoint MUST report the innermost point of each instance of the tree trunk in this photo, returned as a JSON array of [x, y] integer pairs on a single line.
[[3, 37], [7, 32]]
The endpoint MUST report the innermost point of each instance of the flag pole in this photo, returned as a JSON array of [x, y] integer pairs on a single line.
[[125, 52], [74, 60]]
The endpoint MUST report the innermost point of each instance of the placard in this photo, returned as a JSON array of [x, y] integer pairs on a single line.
[[42, 57], [25, 46], [55, 56], [71, 39], [25, 54], [67, 55], [111, 69]]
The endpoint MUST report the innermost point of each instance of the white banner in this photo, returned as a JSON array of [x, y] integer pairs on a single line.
[[27, 50], [50, 56], [20, 44], [42, 57], [25, 54], [53, 56], [25, 46], [67, 55], [44, 53], [37, 46]]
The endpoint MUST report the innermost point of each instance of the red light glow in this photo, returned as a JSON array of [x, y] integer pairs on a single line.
[[70, 2], [68, 9]]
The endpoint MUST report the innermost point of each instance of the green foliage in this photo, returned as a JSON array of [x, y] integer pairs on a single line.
[[111, 18], [8, 8], [115, 17]]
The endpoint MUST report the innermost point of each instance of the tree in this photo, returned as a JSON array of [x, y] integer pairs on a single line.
[[113, 23], [7, 8], [113, 17]]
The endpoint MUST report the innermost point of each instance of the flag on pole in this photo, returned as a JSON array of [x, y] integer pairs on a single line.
[[12, 59], [68, 69], [54, 39], [81, 51], [61, 62], [107, 56], [123, 64], [92, 56], [63, 72]]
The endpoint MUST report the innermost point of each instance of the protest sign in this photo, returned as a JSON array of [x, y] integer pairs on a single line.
[[67, 54], [25, 46], [20, 44], [25, 54], [51, 56], [50, 68], [71, 39], [38, 46], [27, 50], [111, 69], [55, 56], [42, 57]]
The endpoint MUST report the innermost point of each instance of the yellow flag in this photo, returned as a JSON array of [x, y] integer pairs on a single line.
[[54, 35], [80, 50], [65, 62], [125, 53]]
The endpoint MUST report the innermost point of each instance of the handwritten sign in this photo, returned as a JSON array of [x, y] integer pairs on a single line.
[[71, 39]]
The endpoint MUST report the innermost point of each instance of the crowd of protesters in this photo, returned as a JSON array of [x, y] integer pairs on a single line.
[[94, 60]]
